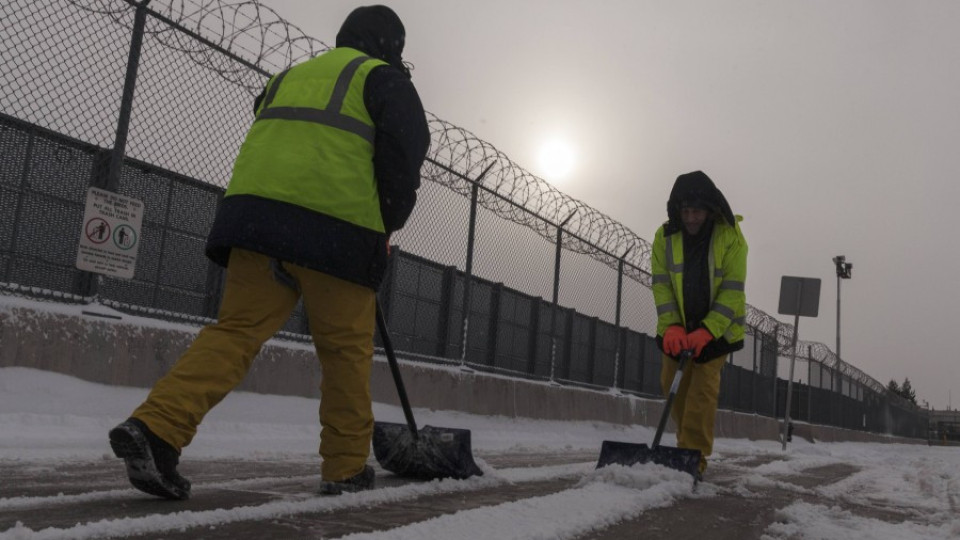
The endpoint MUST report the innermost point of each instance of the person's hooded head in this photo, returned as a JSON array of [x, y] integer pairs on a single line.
[[696, 191], [376, 31]]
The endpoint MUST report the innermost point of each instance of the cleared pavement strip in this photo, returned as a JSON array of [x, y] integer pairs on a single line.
[[385, 516], [273, 505]]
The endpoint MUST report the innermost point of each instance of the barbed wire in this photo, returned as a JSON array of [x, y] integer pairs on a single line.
[[527, 199], [266, 42], [808, 350], [248, 29]]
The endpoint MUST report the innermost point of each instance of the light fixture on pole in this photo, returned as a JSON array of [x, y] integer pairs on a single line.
[[844, 271]]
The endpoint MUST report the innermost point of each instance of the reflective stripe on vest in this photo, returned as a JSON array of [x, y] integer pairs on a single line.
[[672, 266], [331, 115]]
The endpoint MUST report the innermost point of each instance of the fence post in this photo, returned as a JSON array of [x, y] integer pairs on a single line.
[[126, 101], [618, 352], [111, 180], [776, 366], [556, 297], [810, 363], [447, 286], [840, 407], [756, 375], [468, 270]]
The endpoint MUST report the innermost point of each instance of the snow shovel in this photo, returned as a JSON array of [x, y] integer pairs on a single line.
[[628, 454], [428, 454]]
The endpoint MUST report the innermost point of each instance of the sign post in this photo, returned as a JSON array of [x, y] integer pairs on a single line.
[[110, 237], [798, 296]]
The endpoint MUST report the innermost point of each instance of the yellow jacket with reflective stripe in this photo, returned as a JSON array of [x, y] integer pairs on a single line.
[[312, 142], [727, 263]]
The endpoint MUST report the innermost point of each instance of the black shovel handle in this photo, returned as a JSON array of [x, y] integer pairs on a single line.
[[684, 357], [395, 370]]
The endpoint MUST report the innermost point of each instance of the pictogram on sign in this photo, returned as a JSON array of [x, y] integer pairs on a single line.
[[98, 230], [111, 234], [125, 237]]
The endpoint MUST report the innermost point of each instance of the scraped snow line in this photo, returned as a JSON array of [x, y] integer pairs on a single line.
[[602, 499], [33, 502], [22, 503], [525, 474], [182, 520]]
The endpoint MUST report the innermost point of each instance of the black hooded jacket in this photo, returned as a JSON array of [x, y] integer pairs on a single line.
[[402, 137]]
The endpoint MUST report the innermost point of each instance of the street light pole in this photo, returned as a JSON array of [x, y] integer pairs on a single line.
[[838, 315], [844, 271]]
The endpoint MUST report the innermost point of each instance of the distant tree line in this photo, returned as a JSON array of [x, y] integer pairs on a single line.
[[904, 390]]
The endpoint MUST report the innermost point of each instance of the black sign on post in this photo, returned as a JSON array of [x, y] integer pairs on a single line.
[[798, 296]]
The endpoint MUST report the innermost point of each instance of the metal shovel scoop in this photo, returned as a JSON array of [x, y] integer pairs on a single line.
[[427, 454], [628, 454]]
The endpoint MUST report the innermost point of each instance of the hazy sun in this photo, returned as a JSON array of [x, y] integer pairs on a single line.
[[556, 159]]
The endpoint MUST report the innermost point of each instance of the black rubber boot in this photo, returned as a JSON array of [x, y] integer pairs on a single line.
[[361, 481], [151, 461]]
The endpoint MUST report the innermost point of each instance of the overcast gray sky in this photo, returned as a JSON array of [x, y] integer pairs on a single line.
[[831, 126]]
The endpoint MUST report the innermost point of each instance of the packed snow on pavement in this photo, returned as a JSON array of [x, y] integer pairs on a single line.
[[48, 418]]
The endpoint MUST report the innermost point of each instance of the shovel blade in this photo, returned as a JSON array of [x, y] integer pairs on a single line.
[[434, 453], [629, 454]]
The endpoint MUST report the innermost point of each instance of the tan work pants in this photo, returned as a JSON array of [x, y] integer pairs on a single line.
[[254, 307], [695, 405]]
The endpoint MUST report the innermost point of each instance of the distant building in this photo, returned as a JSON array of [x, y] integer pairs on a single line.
[[945, 427]]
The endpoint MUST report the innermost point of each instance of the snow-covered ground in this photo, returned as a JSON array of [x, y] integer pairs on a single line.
[[48, 418]]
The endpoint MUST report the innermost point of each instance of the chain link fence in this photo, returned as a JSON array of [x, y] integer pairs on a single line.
[[497, 270]]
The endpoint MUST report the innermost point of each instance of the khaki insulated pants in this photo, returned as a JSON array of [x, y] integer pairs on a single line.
[[255, 306], [695, 405]]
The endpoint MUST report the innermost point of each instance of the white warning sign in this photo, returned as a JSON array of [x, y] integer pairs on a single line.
[[111, 234]]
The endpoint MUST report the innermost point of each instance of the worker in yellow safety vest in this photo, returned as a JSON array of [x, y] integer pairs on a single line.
[[699, 267], [329, 168]]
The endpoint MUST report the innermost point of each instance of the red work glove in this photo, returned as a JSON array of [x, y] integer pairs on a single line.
[[674, 340], [698, 339]]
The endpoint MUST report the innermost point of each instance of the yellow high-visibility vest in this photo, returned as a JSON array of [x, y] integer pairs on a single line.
[[312, 142]]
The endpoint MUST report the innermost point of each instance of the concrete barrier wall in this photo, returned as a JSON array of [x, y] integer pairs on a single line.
[[119, 349]]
